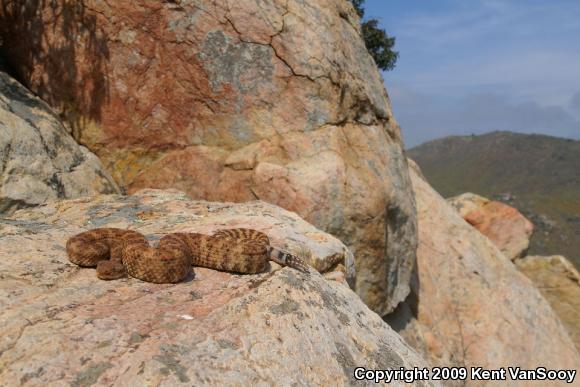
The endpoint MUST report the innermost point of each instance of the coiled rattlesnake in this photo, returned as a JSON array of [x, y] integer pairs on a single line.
[[116, 252]]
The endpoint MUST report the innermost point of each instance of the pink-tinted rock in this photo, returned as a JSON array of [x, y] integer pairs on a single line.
[[277, 100], [558, 281], [503, 224], [470, 306], [63, 326]]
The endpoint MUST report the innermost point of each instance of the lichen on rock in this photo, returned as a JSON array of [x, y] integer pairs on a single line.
[[170, 101], [63, 325]]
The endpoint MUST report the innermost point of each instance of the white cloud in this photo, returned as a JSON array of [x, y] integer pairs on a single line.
[[529, 49], [465, 20], [476, 66], [423, 117]]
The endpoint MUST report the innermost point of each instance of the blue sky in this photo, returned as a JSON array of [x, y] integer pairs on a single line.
[[481, 65]]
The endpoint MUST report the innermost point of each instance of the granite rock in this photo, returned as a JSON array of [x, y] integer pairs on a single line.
[[503, 224], [61, 325], [469, 306], [39, 159], [276, 100], [559, 281]]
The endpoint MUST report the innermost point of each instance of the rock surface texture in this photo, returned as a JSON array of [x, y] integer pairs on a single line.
[[503, 224], [470, 306], [559, 282], [61, 325], [39, 159], [276, 100]]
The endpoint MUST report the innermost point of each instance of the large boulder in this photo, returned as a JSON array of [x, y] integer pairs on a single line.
[[558, 281], [39, 159], [469, 305], [271, 99], [61, 325], [503, 224]]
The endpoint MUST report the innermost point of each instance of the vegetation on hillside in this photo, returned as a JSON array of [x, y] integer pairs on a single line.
[[379, 44], [539, 175]]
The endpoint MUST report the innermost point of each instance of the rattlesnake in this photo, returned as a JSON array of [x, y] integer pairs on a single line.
[[116, 252]]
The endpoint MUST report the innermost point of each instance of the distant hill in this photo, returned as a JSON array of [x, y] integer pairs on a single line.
[[539, 175]]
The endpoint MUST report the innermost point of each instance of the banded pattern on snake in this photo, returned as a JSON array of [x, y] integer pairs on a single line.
[[117, 253]]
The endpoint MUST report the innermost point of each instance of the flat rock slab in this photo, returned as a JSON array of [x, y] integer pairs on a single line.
[[63, 326]]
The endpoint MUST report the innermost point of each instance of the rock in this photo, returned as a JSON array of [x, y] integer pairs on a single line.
[[469, 306], [503, 224], [61, 325], [264, 99], [39, 160], [467, 202], [559, 282]]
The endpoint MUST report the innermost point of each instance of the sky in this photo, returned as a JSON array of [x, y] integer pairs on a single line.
[[471, 67]]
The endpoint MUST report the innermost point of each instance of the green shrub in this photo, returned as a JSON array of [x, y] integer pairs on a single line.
[[378, 42]]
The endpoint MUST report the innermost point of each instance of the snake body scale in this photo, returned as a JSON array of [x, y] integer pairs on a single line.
[[117, 253]]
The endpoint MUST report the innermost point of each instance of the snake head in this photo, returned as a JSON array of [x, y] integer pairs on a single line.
[[285, 258]]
